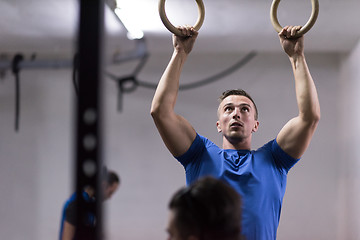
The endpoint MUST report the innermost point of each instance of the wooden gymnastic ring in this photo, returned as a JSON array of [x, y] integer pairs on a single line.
[[305, 28], [171, 27]]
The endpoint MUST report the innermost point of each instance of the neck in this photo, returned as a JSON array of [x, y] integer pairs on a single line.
[[236, 144], [90, 191]]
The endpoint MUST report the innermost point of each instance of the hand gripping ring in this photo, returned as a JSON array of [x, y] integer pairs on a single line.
[[305, 28], [171, 27]]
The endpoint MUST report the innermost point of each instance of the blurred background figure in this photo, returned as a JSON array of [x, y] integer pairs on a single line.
[[110, 184]]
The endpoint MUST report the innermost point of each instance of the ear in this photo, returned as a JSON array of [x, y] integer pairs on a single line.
[[218, 126], [256, 126]]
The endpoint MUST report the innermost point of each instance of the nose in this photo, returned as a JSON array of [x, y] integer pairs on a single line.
[[236, 113]]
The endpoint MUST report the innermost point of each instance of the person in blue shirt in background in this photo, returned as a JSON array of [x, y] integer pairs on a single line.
[[259, 176], [68, 221]]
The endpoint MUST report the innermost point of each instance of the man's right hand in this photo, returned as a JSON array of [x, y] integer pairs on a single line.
[[186, 42], [292, 46]]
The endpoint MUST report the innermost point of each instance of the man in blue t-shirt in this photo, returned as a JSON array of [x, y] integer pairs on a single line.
[[258, 175], [69, 222]]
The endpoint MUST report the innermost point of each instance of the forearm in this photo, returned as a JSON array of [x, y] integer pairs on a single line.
[[68, 231], [168, 87], [306, 94]]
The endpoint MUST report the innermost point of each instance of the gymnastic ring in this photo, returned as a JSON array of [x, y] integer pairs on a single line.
[[305, 28], [172, 28]]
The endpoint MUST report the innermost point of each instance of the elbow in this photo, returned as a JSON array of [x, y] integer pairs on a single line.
[[161, 115], [156, 111], [155, 107], [316, 116], [313, 119], [317, 120], [161, 110]]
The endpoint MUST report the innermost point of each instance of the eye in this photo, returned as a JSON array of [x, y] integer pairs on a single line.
[[245, 109], [228, 109]]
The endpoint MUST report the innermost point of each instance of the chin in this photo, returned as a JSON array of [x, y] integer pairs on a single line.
[[236, 136]]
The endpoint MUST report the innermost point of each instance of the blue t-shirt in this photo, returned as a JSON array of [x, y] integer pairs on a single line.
[[69, 212], [259, 176]]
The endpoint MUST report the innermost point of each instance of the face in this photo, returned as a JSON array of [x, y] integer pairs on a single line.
[[110, 190], [236, 117], [173, 233]]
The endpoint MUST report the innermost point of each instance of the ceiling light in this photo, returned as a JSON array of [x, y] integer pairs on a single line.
[[129, 22]]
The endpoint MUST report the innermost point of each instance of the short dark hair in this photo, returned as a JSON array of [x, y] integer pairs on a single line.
[[109, 176], [112, 178], [239, 92], [209, 209]]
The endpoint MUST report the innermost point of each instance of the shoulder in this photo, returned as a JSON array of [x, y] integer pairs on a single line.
[[279, 156], [200, 138], [271, 146], [200, 145], [200, 142]]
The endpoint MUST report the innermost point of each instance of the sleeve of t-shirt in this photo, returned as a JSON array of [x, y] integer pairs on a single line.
[[70, 213], [193, 152], [282, 159]]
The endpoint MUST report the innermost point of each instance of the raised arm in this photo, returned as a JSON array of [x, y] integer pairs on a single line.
[[176, 131], [295, 136]]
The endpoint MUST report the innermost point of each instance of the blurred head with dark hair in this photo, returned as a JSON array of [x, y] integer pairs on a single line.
[[111, 184], [209, 209]]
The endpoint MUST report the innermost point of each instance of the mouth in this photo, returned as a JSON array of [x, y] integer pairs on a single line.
[[236, 124]]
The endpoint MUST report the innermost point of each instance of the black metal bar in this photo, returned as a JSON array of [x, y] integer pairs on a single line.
[[35, 64], [88, 116]]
